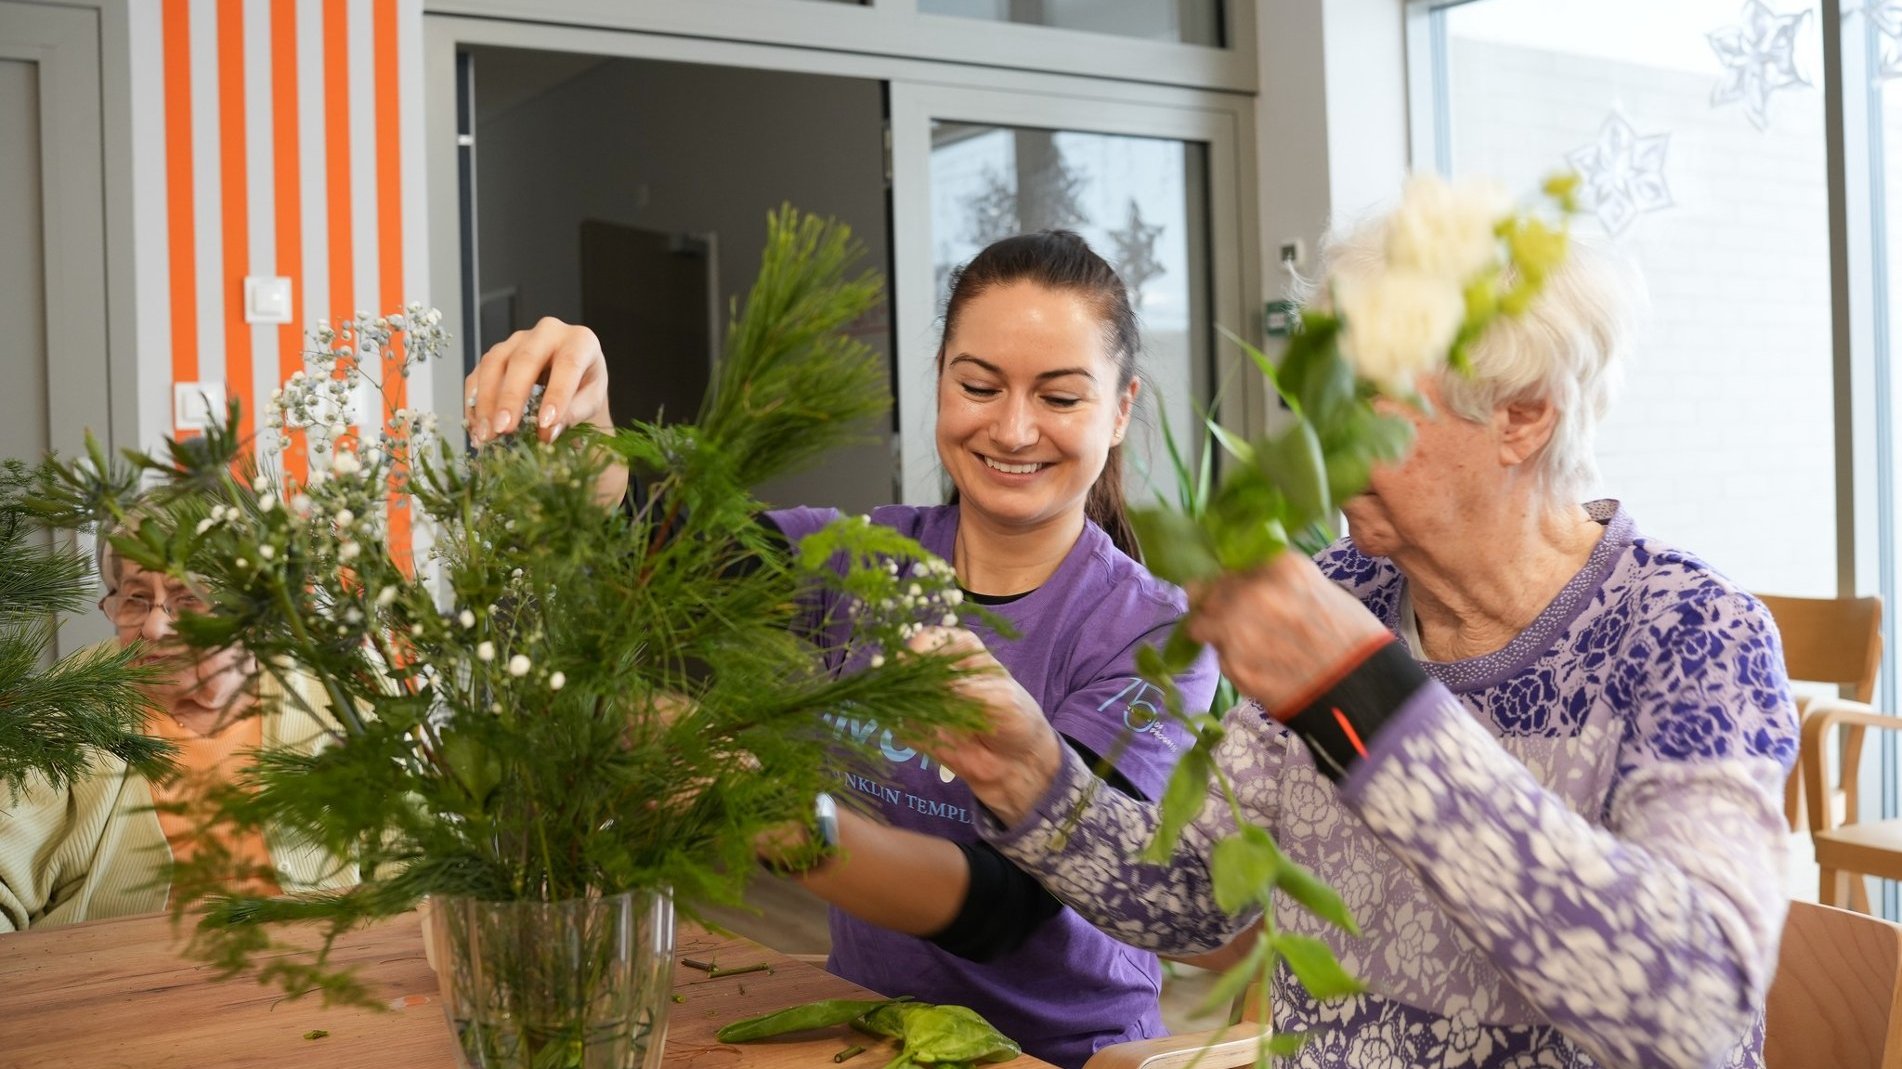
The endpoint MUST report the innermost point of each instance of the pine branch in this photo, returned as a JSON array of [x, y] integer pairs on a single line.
[[55, 718]]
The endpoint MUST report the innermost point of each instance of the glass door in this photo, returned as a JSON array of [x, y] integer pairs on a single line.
[[1155, 190]]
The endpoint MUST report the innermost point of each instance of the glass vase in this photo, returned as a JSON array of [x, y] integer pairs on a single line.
[[579, 984]]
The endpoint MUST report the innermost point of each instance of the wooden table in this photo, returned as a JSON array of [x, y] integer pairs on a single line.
[[116, 993]]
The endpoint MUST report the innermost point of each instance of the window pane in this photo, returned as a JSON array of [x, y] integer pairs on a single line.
[[1140, 202], [1192, 22], [1698, 126]]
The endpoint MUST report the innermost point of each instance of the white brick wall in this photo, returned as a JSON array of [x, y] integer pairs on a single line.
[[1722, 440]]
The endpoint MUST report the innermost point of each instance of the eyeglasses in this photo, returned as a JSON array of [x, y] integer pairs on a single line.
[[132, 610]]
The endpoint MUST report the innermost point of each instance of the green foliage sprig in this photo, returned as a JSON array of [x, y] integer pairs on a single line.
[[56, 715], [1455, 262], [596, 701]]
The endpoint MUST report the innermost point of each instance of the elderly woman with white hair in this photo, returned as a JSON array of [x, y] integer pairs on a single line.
[[1539, 754]]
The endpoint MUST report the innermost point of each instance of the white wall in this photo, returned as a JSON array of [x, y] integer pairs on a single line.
[[1333, 126], [1723, 439], [683, 147]]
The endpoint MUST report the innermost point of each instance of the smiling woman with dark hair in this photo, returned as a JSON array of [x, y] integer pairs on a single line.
[[1036, 383]]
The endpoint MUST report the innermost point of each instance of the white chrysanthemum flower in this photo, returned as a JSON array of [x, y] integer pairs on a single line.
[[557, 681], [485, 652], [1398, 324], [519, 666], [466, 618], [1446, 229]]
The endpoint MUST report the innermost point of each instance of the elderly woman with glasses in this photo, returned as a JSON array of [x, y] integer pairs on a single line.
[[103, 845]]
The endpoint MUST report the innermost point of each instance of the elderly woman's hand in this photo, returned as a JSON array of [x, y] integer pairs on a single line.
[[1011, 765], [1282, 631]]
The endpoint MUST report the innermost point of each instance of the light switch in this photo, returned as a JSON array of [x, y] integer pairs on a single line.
[[197, 405], [267, 299]]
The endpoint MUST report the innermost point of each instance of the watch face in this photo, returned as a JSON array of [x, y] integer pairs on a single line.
[[825, 813]]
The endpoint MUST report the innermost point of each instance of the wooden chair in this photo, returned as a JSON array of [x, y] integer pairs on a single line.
[[1836, 1002], [1847, 851], [1216, 1048], [1835, 641]]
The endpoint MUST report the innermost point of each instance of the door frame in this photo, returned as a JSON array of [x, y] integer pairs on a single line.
[[92, 374], [1231, 203], [88, 321], [1225, 120]]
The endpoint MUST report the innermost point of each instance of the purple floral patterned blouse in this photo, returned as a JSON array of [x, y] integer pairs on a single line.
[[1564, 854]]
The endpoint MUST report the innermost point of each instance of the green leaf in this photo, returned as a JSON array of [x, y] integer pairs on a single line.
[[1286, 1044], [1236, 447], [1179, 651], [1294, 463], [1173, 546], [1151, 664], [1327, 389], [1314, 965], [1182, 802], [1243, 868], [1235, 980], [1318, 898]]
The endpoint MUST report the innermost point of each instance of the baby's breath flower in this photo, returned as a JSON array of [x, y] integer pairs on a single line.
[[267, 551], [557, 681], [385, 596], [877, 661], [466, 618], [519, 666], [485, 652], [348, 550]]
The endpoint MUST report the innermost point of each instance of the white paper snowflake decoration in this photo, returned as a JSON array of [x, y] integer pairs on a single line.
[[1622, 174], [1759, 58], [1886, 18]]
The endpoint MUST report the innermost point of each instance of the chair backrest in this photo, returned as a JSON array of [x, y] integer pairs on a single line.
[[1836, 1001], [1830, 640]]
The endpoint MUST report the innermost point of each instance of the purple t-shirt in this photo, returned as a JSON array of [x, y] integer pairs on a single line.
[[1068, 989]]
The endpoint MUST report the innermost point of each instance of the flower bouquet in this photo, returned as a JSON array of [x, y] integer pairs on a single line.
[[588, 715], [1455, 258]]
